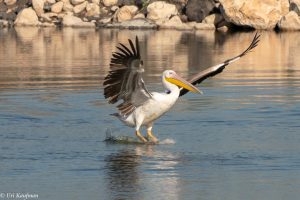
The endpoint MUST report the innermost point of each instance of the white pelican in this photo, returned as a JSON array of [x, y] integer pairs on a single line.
[[141, 107]]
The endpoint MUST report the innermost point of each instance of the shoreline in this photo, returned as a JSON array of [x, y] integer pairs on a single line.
[[219, 15]]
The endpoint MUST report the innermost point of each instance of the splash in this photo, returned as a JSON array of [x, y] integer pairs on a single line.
[[110, 138], [168, 141]]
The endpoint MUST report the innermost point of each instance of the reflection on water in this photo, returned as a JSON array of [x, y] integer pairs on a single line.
[[48, 57], [123, 175], [131, 171], [240, 140]]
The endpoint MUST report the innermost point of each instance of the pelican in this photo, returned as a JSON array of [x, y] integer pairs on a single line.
[[139, 107]]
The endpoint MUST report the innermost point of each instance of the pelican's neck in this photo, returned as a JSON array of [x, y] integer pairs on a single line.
[[174, 90]]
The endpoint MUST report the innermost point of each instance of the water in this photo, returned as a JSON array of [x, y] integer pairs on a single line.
[[240, 140]]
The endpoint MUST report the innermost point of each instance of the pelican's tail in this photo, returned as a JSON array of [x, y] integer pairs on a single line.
[[115, 115]]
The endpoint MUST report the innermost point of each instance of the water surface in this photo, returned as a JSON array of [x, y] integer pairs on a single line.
[[240, 140]]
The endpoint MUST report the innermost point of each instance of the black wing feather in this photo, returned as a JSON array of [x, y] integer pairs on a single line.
[[124, 80], [212, 71]]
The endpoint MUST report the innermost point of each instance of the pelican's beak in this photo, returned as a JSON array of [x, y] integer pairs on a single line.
[[177, 80]]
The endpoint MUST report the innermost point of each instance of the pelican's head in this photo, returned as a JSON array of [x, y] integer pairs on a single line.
[[173, 78]]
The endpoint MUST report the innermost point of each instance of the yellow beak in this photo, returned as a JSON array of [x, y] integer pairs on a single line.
[[177, 80]]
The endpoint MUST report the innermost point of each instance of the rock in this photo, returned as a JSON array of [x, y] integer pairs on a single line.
[[134, 24], [73, 21], [10, 16], [108, 3], [139, 16], [259, 14], [70, 20], [27, 17], [197, 10], [38, 6], [105, 20], [85, 25], [114, 8], [22, 4], [201, 26], [76, 2], [184, 18], [51, 1], [61, 15], [295, 6], [161, 11], [175, 23], [223, 29], [3, 23], [48, 16], [3, 7], [65, 1], [92, 10], [126, 13], [104, 11], [57, 7], [47, 24], [47, 7], [67, 7], [10, 2], [79, 8], [290, 22], [213, 19], [96, 2]]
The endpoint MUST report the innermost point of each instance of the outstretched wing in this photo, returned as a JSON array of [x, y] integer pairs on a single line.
[[124, 80], [212, 71]]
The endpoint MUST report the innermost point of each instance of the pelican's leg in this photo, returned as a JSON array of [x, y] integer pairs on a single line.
[[138, 133], [140, 136], [150, 135]]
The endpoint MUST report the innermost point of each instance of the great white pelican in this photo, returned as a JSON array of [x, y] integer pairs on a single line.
[[139, 107]]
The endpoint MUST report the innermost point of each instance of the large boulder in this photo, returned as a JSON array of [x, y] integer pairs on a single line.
[[126, 13], [197, 10], [290, 22], [161, 11], [259, 14], [38, 6], [27, 17]]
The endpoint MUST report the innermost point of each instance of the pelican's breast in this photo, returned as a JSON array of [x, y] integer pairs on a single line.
[[152, 109], [156, 106]]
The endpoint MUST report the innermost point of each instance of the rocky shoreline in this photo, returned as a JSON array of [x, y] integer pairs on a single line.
[[221, 15]]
